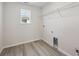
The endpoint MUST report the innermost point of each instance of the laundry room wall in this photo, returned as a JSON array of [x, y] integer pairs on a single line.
[[16, 33], [61, 20]]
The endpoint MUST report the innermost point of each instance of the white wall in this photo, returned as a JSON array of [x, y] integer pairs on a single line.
[[64, 25], [14, 32], [0, 26]]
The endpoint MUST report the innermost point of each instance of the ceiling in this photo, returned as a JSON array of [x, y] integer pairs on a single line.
[[38, 4]]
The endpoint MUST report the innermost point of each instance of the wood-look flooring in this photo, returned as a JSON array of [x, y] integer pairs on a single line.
[[37, 48]]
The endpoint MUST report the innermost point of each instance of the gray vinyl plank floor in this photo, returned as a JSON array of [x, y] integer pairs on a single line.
[[37, 48]]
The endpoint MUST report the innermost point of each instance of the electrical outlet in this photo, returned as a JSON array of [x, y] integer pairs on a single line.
[[51, 31], [43, 26]]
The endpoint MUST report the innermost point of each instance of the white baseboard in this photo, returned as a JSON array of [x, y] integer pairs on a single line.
[[60, 50], [15, 44], [65, 53]]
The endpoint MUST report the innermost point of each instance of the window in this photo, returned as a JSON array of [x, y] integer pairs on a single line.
[[25, 15]]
